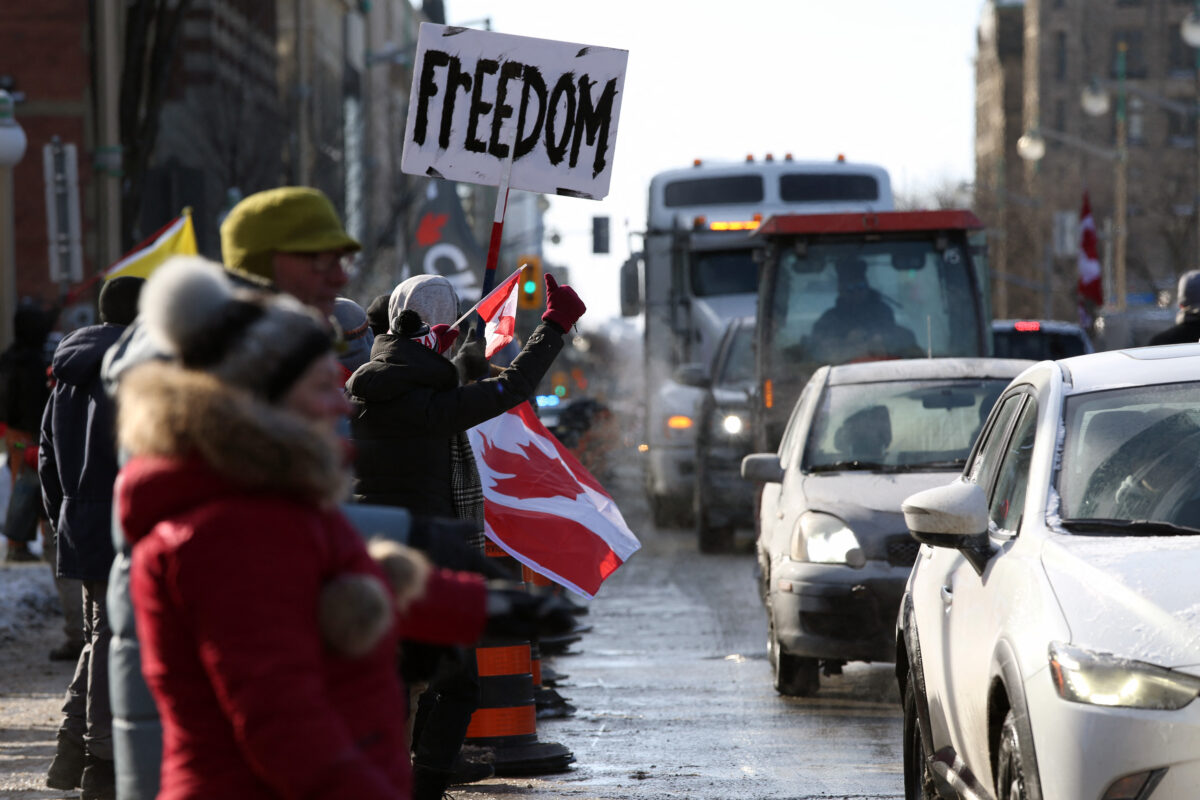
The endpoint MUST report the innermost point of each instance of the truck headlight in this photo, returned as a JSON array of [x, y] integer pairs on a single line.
[[732, 424], [825, 539], [1102, 679]]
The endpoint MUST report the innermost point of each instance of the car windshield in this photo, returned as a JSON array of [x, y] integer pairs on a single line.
[[899, 425], [1129, 456]]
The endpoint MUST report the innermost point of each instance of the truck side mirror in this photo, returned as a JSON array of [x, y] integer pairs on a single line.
[[631, 290], [692, 375]]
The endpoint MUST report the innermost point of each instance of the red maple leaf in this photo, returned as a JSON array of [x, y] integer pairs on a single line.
[[529, 474], [430, 230]]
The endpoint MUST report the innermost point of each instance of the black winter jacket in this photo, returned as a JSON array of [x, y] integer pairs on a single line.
[[1184, 332], [408, 405], [77, 459]]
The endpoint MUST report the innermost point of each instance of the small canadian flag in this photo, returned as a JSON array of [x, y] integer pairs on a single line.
[[499, 311]]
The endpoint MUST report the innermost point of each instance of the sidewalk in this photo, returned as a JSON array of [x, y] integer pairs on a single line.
[[31, 685]]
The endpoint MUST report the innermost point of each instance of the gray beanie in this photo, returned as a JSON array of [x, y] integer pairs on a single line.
[[247, 338], [431, 296]]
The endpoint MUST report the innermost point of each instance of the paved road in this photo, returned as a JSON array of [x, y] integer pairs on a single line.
[[675, 700]]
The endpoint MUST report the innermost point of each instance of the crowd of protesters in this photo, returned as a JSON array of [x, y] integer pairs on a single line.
[[209, 456]]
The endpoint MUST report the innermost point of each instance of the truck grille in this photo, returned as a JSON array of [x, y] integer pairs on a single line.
[[902, 551]]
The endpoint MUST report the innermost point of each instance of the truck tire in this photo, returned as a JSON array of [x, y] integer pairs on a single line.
[[666, 513]]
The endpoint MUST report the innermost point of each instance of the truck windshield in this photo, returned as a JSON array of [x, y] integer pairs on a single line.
[[716, 272], [845, 301]]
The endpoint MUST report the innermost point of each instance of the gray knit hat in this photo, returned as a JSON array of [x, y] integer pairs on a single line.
[[431, 296], [252, 339]]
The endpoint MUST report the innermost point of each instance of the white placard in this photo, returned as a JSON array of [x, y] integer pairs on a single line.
[[471, 88]]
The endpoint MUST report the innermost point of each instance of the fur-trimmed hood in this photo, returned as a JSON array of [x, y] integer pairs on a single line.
[[175, 420]]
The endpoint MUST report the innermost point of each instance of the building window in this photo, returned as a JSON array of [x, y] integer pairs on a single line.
[[1135, 53], [1136, 130], [1060, 55], [1129, 2], [1060, 115], [1181, 59], [1181, 127]]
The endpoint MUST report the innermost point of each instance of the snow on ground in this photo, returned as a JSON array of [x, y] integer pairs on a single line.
[[27, 593], [27, 598]]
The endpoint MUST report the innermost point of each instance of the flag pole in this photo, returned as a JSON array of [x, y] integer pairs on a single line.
[[493, 256], [482, 300]]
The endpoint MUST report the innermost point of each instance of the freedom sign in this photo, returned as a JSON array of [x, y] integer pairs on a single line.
[[480, 98]]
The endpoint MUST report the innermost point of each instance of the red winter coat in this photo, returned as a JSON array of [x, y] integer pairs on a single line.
[[233, 544]]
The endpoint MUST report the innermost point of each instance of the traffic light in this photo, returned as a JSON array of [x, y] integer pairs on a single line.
[[530, 295], [599, 235]]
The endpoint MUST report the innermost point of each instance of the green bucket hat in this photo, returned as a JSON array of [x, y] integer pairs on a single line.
[[290, 219]]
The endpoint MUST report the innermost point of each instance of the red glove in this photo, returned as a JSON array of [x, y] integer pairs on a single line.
[[445, 336], [563, 306]]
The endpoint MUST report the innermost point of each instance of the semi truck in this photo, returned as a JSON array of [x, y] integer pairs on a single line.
[[697, 270]]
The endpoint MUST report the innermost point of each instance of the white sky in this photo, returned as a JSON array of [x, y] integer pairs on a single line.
[[883, 81]]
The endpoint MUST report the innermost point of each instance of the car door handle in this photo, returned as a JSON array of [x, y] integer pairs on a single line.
[[947, 595]]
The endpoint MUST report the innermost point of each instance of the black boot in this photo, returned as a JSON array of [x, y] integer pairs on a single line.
[[472, 764], [66, 770], [429, 783], [99, 780]]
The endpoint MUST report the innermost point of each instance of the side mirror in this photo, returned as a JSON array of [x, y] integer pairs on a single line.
[[631, 289], [692, 375], [951, 516], [763, 468]]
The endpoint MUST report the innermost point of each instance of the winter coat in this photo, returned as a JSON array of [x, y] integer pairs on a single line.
[[408, 405], [1185, 332], [230, 506], [77, 456]]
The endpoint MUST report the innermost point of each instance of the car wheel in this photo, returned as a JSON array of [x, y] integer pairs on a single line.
[[918, 778], [794, 676], [1010, 774], [710, 538]]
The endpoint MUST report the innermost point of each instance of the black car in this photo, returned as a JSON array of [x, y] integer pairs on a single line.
[[722, 501]]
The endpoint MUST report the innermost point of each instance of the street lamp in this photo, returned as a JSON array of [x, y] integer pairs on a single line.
[[12, 148], [1032, 146]]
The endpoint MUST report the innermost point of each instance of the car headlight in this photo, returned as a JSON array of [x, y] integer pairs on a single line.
[[1102, 679], [825, 539]]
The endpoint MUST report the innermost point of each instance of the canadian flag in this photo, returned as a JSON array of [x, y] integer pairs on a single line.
[[499, 311], [1090, 288], [543, 507]]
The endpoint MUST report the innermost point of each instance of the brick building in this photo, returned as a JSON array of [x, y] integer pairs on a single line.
[[45, 60], [1035, 58]]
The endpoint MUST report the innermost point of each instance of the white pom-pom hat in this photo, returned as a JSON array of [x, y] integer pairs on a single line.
[[249, 338]]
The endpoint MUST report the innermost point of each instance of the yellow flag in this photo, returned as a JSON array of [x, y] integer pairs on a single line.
[[177, 238]]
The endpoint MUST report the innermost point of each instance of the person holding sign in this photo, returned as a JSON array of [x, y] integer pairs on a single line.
[[409, 428]]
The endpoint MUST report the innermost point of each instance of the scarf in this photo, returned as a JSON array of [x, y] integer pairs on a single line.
[[466, 487]]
